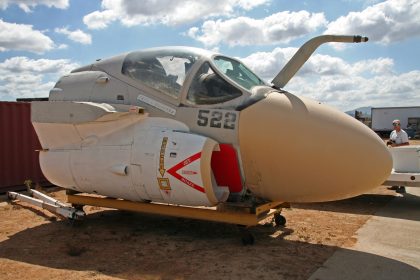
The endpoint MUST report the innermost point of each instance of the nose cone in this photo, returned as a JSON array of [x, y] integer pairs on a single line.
[[297, 150]]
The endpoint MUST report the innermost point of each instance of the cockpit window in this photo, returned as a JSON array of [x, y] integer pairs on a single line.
[[161, 70], [238, 72], [208, 87]]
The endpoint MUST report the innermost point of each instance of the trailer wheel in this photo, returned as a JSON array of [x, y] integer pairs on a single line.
[[279, 220], [78, 206], [401, 189]]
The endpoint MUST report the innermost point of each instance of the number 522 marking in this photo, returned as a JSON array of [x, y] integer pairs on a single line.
[[216, 119]]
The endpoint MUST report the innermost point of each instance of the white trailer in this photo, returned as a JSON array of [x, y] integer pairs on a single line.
[[382, 118], [406, 168]]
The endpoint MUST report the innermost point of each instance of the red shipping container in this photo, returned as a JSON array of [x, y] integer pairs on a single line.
[[19, 160]]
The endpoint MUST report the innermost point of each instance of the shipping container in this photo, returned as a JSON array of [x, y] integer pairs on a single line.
[[409, 117], [19, 160]]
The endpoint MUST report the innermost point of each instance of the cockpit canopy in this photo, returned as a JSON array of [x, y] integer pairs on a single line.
[[207, 78]]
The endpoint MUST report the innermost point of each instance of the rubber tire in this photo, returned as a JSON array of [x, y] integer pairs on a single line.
[[279, 220]]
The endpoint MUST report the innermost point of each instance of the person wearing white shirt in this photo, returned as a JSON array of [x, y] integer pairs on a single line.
[[398, 136]]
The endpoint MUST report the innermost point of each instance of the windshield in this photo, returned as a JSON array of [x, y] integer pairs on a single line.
[[208, 87], [161, 70], [238, 72]]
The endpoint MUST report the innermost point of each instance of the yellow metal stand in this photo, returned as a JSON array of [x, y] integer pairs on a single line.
[[225, 213]]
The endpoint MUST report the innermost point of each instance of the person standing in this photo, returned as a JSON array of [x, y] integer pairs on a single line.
[[398, 136]]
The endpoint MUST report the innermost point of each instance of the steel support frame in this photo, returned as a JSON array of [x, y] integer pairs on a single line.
[[245, 216]]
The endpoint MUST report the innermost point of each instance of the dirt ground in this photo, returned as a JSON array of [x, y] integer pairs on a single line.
[[112, 244]]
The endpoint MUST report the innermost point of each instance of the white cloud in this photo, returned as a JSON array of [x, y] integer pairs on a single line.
[[21, 64], [386, 22], [350, 92], [25, 77], [342, 84], [76, 35], [268, 64], [167, 12], [27, 5], [62, 46], [281, 27], [23, 37], [11, 91], [99, 19]]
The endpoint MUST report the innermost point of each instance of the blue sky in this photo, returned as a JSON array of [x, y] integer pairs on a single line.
[[42, 40]]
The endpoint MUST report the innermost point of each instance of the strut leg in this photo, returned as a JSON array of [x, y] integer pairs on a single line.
[[48, 203]]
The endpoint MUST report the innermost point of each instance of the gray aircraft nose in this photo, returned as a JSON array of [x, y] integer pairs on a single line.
[[297, 150]]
